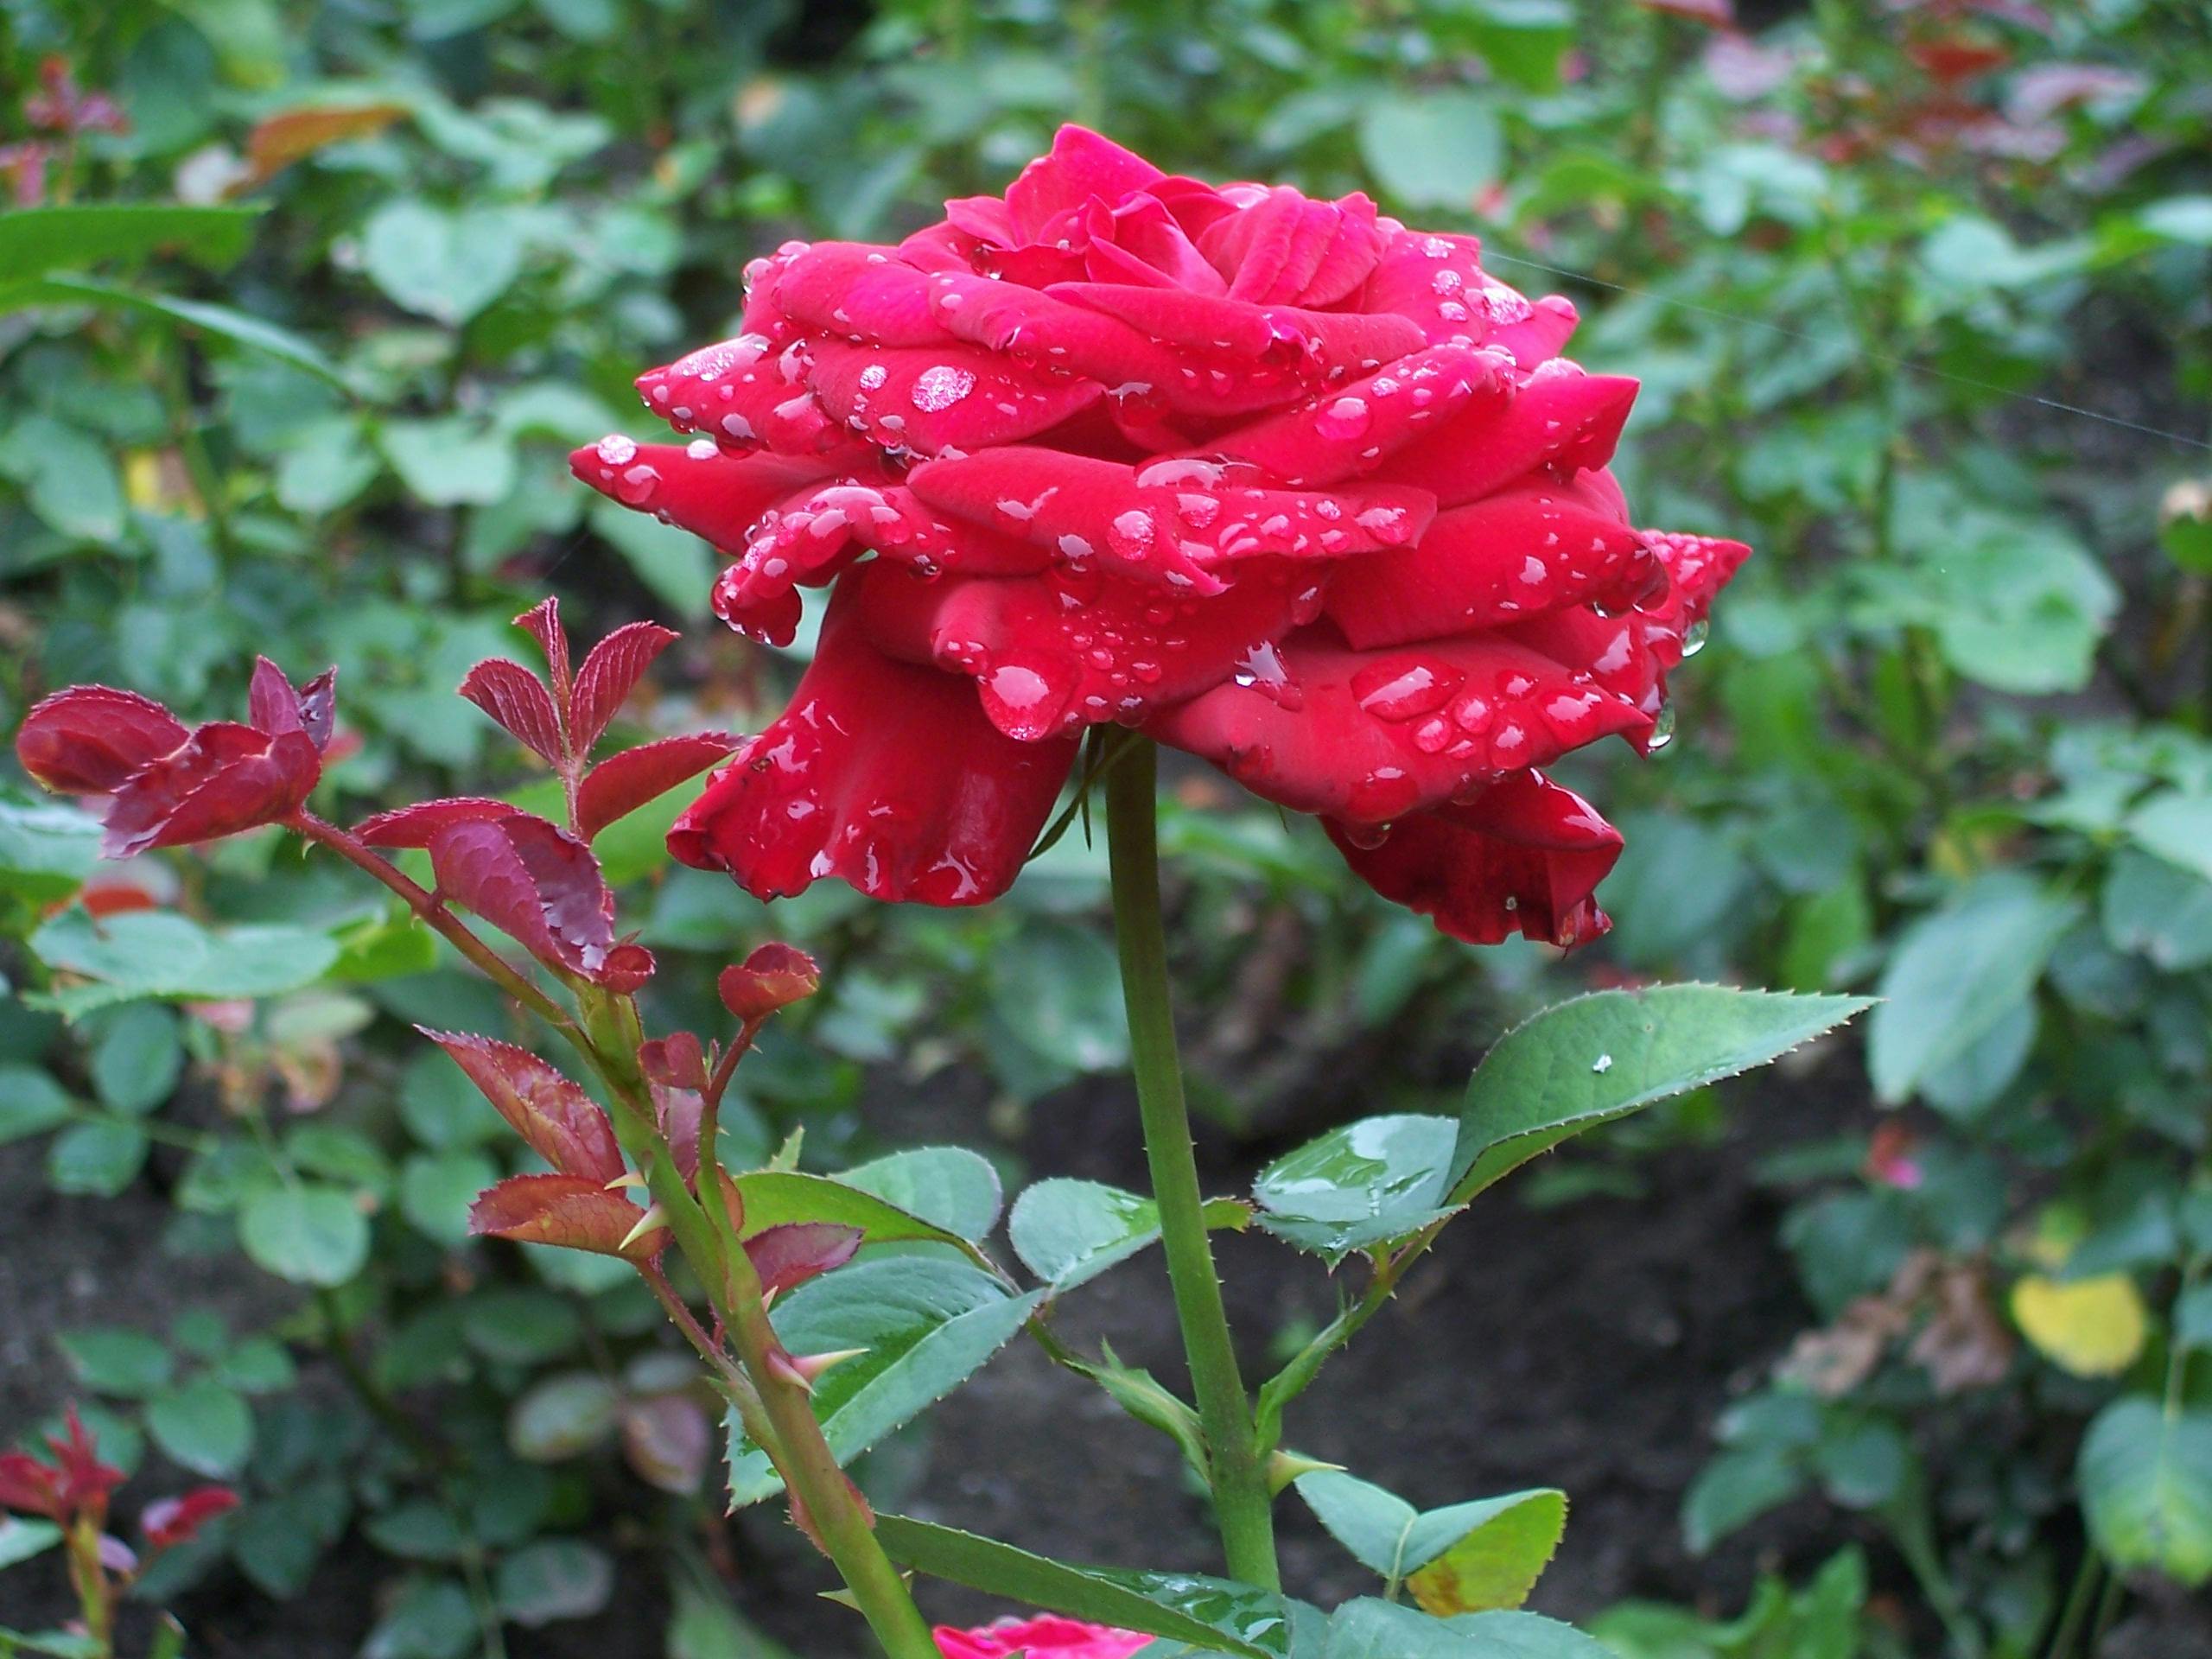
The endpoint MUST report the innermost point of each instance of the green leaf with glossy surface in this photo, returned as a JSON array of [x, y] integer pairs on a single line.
[[1212, 1615], [1359, 1186], [925, 1323], [773, 1196], [46, 852], [2146, 1474], [1379, 1630], [1598, 1057]]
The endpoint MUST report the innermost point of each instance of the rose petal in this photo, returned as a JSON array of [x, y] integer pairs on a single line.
[[886, 775], [1357, 427], [1369, 736], [713, 495], [932, 397], [1560, 417]]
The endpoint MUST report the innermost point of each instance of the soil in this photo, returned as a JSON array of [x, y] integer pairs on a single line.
[[1588, 1346]]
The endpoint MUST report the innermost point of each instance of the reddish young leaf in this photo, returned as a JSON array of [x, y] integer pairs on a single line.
[[623, 782], [560, 1122], [563, 1210], [787, 1256], [418, 825], [608, 674], [274, 707], [90, 739], [675, 1060], [542, 622], [225, 779], [177, 1520], [626, 969], [678, 1111], [668, 1441], [773, 977], [537, 884], [517, 699]]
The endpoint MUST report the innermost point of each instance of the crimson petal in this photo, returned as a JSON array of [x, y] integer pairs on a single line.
[[1523, 857], [884, 774]]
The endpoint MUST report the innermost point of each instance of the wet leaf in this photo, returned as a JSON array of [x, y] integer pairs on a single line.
[[1359, 1186], [1598, 1057], [538, 884], [1067, 1232]]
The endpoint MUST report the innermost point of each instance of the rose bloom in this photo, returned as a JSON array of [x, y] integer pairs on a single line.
[[1280, 482], [1043, 1638]]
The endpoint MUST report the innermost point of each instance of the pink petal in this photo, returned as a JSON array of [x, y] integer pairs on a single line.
[[850, 291], [933, 397]]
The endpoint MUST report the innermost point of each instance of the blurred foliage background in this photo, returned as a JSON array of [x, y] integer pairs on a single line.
[[1918, 292]]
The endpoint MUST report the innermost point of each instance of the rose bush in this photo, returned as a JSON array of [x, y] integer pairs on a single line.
[[1279, 481]]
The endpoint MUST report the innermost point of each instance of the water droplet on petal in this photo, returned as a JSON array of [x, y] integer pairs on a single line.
[[942, 387], [1344, 419]]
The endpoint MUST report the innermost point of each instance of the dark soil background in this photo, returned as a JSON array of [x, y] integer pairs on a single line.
[[1588, 1347]]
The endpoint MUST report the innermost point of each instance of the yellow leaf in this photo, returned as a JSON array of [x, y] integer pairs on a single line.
[[2092, 1327]]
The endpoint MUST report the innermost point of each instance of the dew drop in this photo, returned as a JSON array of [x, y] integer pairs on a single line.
[[1344, 419], [941, 387]]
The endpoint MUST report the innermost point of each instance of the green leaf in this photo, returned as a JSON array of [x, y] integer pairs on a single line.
[[68, 476], [20, 1539], [773, 1196], [561, 1416], [1432, 149], [307, 1234], [2146, 1474], [46, 852], [1061, 991], [1067, 1232], [451, 460], [256, 1365], [925, 1324], [159, 953], [431, 1618], [1735, 1488], [948, 1187], [115, 1360], [2178, 827], [444, 265], [30, 1102], [97, 1160], [1379, 1630], [1467, 1558], [137, 1058], [1212, 1615], [553, 1580], [674, 564], [225, 323], [37, 240], [203, 1426], [2153, 906], [1359, 1186], [1959, 974], [435, 1189], [1600, 1056]]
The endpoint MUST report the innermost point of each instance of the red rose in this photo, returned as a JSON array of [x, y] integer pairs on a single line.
[[1277, 481], [1046, 1636]]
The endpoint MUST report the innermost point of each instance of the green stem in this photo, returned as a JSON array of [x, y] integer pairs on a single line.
[[1236, 1472], [2077, 1612]]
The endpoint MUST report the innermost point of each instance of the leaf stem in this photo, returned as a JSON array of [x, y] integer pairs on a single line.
[[1242, 1506]]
